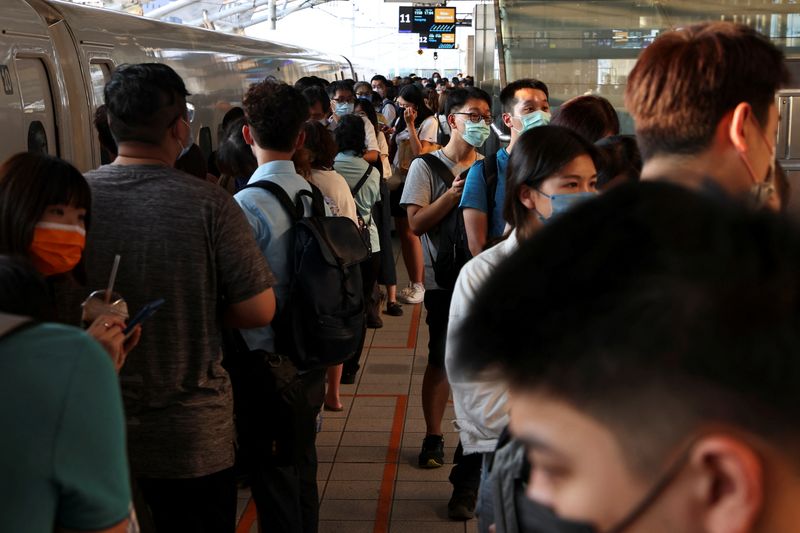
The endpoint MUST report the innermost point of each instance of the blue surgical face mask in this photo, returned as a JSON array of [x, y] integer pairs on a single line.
[[344, 108], [561, 203], [475, 134], [533, 120]]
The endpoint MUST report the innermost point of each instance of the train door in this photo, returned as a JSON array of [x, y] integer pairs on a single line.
[[38, 111]]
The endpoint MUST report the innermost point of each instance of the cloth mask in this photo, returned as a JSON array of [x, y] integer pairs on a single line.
[[476, 134], [344, 109], [56, 248], [561, 203], [533, 120]]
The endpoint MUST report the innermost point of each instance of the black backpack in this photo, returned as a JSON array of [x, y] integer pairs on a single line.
[[322, 321], [490, 178], [453, 249]]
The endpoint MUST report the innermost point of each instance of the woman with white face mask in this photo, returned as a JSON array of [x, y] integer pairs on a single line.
[[550, 170], [45, 210]]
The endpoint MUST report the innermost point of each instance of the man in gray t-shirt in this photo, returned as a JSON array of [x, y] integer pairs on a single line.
[[428, 201], [186, 241]]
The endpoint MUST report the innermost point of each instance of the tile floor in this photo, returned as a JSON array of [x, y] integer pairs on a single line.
[[368, 477]]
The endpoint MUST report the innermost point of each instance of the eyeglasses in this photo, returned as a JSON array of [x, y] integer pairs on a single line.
[[344, 100], [364, 95], [477, 117]]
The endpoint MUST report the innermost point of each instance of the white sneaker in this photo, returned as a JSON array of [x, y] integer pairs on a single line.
[[413, 294]]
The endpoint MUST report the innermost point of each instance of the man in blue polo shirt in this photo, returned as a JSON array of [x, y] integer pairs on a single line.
[[525, 106], [280, 461]]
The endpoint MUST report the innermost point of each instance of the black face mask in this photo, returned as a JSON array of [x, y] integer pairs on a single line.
[[644, 504]]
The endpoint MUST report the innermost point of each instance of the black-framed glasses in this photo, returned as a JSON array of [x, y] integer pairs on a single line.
[[477, 117]]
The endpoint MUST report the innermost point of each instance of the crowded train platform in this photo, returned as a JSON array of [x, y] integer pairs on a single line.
[[279, 294]]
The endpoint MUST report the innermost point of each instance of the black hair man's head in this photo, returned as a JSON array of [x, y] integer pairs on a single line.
[[654, 310], [143, 100], [275, 113]]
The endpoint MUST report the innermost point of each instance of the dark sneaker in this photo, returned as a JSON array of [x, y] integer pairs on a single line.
[[462, 504], [394, 309], [432, 454]]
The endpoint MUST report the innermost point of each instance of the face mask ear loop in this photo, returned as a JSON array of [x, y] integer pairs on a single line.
[[655, 492]]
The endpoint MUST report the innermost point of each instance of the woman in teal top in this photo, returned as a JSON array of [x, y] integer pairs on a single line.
[[349, 163], [62, 455]]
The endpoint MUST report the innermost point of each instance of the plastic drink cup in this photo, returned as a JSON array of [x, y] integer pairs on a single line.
[[96, 305]]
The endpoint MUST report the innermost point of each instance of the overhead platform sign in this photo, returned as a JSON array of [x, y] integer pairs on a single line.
[[436, 26]]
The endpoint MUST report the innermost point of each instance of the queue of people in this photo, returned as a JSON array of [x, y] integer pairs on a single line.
[[620, 355]]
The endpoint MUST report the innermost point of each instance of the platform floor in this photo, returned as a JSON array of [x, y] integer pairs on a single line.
[[369, 481]]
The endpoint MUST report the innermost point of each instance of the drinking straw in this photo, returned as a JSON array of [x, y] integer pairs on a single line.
[[112, 278]]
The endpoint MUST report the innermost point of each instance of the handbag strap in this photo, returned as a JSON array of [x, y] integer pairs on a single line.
[[361, 182]]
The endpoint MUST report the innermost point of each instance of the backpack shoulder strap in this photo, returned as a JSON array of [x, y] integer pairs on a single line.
[[317, 201], [439, 168], [296, 210], [361, 182], [490, 169]]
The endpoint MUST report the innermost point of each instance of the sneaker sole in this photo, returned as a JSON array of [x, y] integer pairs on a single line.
[[432, 463]]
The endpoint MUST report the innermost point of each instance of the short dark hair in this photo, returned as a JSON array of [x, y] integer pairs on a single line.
[[680, 318], [619, 155], [350, 134], [508, 96], [275, 113], [320, 144], [341, 85], [310, 81], [591, 116], [143, 100], [314, 95], [539, 153], [28, 184], [688, 79], [234, 156], [459, 97], [380, 78]]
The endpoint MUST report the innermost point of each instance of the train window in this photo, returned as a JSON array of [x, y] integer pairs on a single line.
[[37, 138], [37, 104], [98, 77], [205, 142]]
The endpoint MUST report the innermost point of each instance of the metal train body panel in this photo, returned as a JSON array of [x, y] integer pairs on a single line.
[[72, 49]]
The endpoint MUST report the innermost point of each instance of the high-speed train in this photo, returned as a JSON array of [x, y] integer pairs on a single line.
[[55, 58]]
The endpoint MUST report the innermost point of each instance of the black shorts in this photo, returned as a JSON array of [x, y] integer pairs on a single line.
[[437, 304]]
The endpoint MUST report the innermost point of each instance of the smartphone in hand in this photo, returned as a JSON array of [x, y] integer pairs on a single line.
[[143, 314]]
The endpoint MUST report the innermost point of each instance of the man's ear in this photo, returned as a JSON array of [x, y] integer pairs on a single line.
[[507, 120], [248, 135], [739, 119], [730, 484]]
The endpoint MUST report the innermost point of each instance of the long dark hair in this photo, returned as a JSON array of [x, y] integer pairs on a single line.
[[537, 155], [234, 156], [28, 184], [412, 95], [365, 106]]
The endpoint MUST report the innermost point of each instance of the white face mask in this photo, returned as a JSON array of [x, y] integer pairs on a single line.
[[761, 190]]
